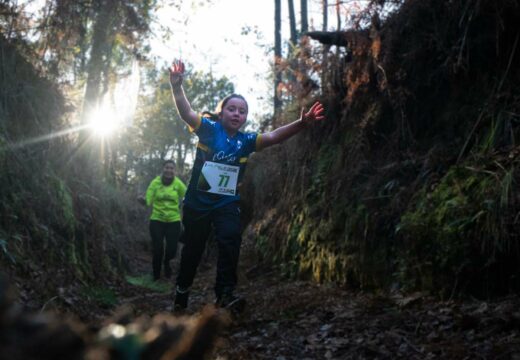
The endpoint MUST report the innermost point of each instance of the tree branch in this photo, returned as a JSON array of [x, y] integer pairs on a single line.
[[337, 38]]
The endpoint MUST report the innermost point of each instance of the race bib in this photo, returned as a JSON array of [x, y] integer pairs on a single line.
[[218, 178]]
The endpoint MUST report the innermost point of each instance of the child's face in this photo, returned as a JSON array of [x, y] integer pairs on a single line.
[[234, 114]]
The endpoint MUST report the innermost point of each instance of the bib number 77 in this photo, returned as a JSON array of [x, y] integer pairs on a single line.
[[218, 178], [224, 180]]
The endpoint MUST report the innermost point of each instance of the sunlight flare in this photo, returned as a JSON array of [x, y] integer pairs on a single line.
[[104, 121], [47, 137], [118, 108]]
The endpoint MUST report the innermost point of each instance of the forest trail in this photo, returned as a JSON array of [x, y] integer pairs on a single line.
[[300, 320], [410, 183]]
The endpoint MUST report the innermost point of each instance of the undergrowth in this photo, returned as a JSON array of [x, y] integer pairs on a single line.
[[410, 182], [61, 225]]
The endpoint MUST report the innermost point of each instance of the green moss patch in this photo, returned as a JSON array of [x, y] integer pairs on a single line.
[[146, 281], [102, 296]]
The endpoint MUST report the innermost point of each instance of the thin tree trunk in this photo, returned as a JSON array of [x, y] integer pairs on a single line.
[[277, 57], [292, 43], [304, 16], [129, 164], [325, 24], [292, 22], [113, 165], [338, 14], [100, 39], [324, 54], [97, 73]]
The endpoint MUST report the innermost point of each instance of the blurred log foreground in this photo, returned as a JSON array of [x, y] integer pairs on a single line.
[[164, 336]]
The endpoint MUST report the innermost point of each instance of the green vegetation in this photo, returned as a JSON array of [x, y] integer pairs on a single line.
[[147, 282], [102, 296], [411, 181], [62, 201], [455, 229]]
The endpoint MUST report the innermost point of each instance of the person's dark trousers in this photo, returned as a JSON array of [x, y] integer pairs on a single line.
[[162, 232], [197, 226]]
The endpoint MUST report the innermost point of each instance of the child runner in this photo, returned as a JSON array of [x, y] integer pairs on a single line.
[[212, 197]]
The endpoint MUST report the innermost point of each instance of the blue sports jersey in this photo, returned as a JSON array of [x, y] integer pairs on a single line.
[[219, 165]]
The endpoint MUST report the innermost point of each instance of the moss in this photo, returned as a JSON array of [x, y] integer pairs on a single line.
[[262, 244], [325, 160], [64, 211], [291, 251], [147, 282], [102, 296], [324, 248], [71, 254], [443, 232]]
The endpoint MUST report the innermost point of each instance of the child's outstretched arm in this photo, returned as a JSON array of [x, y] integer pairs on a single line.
[[283, 133], [187, 114]]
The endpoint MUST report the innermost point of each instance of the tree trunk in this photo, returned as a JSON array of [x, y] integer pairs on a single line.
[[292, 22], [129, 164], [101, 38], [293, 41], [338, 14], [325, 51], [304, 16], [277, 57], [325, 15]]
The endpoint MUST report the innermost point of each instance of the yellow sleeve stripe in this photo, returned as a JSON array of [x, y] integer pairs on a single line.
[[197, 126], [203, 147], [258, 144], [242, 160]]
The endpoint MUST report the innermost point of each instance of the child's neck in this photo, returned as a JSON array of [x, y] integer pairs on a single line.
[[230, 132]]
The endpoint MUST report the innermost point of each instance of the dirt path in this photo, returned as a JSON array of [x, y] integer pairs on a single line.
[[300, 320]]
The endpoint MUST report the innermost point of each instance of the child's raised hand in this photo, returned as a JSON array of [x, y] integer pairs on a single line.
[[315, 113], [176, 73]]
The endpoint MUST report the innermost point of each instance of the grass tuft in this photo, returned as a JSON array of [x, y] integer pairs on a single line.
[[147, 282]]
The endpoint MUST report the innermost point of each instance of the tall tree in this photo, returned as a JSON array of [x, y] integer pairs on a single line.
[[67, 26], [63, 30], [338, 14], [292, 43], [304, 16], [325, 9], [277, 57], [115, 29], [292, 22], [325, 6], [89, 36], [124, 20], [102, 42]]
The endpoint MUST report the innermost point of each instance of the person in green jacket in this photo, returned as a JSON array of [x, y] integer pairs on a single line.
[[165, 195]]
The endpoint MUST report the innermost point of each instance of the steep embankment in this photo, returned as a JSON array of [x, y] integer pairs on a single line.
[[411, 180], [60, 227]]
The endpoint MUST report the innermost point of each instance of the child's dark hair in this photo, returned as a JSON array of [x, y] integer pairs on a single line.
[[215, 116]]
